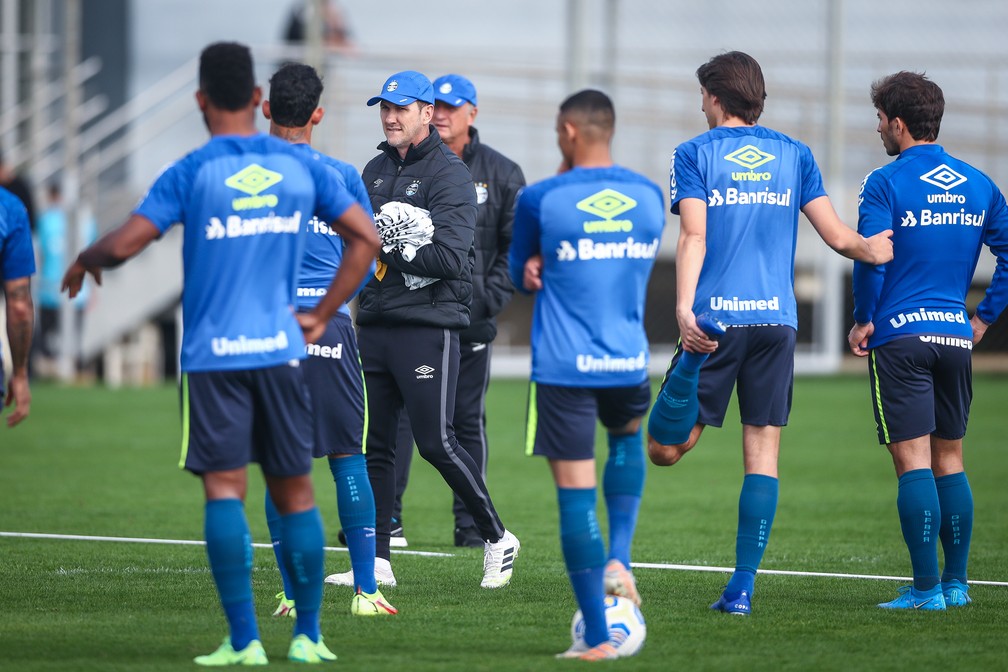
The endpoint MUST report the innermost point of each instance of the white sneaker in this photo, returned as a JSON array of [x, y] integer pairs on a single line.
[[498, 560], [382, 574]]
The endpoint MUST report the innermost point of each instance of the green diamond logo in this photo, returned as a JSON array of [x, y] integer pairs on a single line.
[[252, 179], [750, 157], [607, 204]]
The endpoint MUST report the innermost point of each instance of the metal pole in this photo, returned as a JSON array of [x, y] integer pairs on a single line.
[[69, 339], [314, 29], [9, 52], [832, 323], [609, 47], [576, 66]]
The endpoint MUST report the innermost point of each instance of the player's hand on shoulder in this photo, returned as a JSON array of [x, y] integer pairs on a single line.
[[881, 247]]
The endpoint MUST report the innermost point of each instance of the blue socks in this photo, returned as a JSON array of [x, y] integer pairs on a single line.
[[303, 551], [622, 486], [276, 534], [920, 518], [956, 501], [355, 501], [677, 407], [757, 506], [229, 550], [584, 556]]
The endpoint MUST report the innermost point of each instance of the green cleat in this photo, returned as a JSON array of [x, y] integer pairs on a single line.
[[253, 654], [373, 604], [304, 650], [286, 607]]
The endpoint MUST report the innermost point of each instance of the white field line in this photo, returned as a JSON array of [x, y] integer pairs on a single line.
[[787, 572], [188, 542], [432, 554]]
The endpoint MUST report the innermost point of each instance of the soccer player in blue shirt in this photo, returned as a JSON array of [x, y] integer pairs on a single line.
[[738, 190], [912, 324], [17, 264], [243, 198], [332, 368], [585, 242]]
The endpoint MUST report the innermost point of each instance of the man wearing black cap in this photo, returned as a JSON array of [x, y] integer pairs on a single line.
[[411, 312], [497, 180]]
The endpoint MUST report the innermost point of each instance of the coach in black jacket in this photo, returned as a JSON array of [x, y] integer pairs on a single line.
[[409, 338], [497, 180]]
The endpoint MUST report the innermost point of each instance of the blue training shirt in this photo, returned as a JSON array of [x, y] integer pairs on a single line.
[[941, 211], [243, 202], [17, 258], [598, 230], [324, 246], [755, 182]]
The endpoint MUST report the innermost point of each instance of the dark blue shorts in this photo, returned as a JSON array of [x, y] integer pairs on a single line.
[[921, 385], [332, 371], [759, 361], [231, 418], [561, 420]]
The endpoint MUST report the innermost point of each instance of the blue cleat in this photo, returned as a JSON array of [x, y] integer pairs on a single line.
[[919, 600], [737, 605], [956, 593], [710, 325]]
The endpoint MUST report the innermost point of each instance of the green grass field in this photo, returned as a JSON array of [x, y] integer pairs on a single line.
[[91, 461]]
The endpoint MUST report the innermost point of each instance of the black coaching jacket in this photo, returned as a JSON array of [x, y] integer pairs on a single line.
[[433, 178], [498, 180]]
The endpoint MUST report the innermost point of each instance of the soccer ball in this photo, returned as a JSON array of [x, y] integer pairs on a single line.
[[627, 629]]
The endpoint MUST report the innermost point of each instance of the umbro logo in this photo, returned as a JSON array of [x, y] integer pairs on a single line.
[[943, 177], [750, 157], [424, 372]]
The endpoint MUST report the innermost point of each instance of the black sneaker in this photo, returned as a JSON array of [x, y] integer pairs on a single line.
[[396, 539], [468, 537]]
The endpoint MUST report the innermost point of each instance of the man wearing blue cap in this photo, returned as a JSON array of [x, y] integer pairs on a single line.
[[498, 180], [411, 312]]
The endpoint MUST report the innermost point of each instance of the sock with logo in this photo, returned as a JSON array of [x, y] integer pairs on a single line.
[[622, 486], [276, 534], [956, 501], [303, 551], [676, 409], [355, 500], [757, 506], [584, 556], [920, 518], [229, 551]]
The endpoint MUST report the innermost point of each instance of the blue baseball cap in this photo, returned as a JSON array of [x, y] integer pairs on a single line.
[[454, 90], [405, 88]]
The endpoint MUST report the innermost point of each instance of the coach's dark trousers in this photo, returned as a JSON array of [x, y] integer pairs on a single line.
[[469, 423], [417, 367]]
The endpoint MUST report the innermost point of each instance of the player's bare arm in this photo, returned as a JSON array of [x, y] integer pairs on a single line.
[[109, 251], [20, 316], [690, 253], [357, 229], [874, 250]]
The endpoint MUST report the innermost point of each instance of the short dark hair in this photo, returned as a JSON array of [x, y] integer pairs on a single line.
[[226, 75], [915, 99], [295, 90], [594, 109], [736, 79]]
